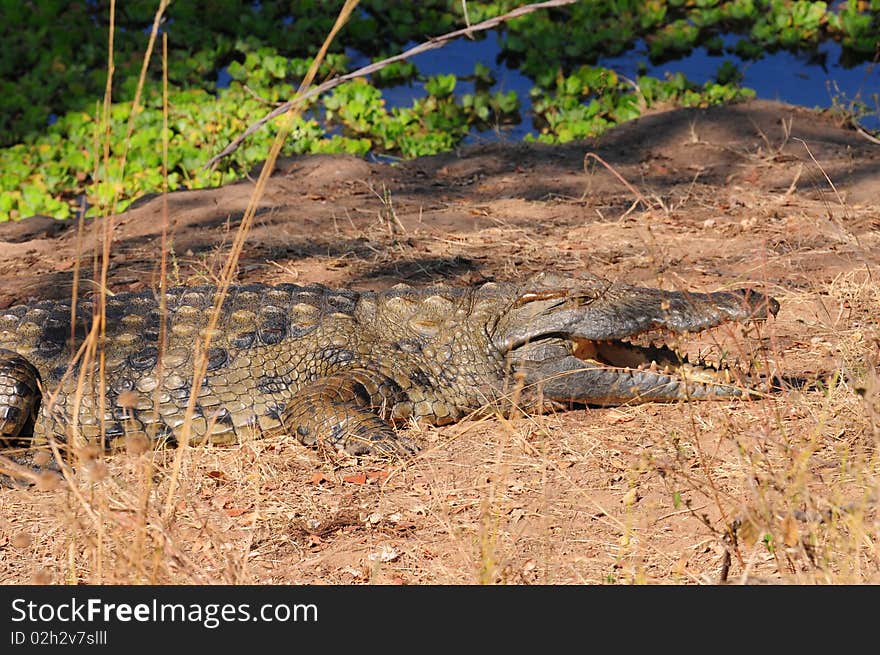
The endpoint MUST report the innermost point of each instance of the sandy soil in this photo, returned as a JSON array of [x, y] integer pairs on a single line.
[[783, 489]]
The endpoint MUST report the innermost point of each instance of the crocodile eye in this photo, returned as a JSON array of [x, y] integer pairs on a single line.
[[535, 296], [144, 359]]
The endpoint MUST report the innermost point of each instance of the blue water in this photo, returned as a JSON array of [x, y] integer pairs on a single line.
[[779, 76], [460, 57], [782, 76]]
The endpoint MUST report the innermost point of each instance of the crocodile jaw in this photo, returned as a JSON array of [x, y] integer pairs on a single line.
[[620, 312], [645, 371], [575, 340]]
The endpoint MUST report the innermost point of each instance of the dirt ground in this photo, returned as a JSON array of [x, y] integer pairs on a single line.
[[781, 489]]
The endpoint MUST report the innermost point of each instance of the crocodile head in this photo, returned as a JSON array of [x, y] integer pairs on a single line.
[[588, 341]]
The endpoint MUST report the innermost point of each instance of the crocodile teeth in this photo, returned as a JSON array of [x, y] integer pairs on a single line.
[[653, 365]]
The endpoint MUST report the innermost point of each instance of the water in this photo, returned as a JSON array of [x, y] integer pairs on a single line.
[[461, 57], [794, 78], [783, 76]]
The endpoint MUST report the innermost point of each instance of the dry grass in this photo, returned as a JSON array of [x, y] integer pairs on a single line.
[[782, 489]]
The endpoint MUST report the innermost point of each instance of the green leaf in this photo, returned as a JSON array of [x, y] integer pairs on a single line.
[[440, 86]]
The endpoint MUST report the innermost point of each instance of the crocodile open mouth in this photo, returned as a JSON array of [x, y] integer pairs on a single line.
[[645, 353]]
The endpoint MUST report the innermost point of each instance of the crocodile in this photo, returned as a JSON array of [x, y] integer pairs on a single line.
[[343, 369]]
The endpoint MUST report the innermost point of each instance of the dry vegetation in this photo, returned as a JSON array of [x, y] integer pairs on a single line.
[[782, 489]]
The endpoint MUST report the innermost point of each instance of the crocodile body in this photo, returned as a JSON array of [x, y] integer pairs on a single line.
[[343, 368]]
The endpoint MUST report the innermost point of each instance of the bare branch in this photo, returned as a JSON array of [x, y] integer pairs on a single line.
[[431, 44]]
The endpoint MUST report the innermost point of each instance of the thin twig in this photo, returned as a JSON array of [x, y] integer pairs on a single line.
[[863, 132], [639, 197], [431, 44]]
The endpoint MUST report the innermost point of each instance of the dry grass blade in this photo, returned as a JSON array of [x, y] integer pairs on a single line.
[[843, 205], [201, 356], [639, 197]]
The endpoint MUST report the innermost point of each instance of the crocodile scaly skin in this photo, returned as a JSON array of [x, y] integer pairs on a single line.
[[335, 367]]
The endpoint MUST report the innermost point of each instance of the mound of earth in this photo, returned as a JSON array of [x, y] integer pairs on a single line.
[[780, 489]]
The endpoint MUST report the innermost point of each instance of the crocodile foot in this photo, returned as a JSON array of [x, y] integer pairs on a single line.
[[338, 412]]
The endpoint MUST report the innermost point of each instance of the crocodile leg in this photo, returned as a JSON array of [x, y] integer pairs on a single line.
[[19, 397], [342, 411]]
